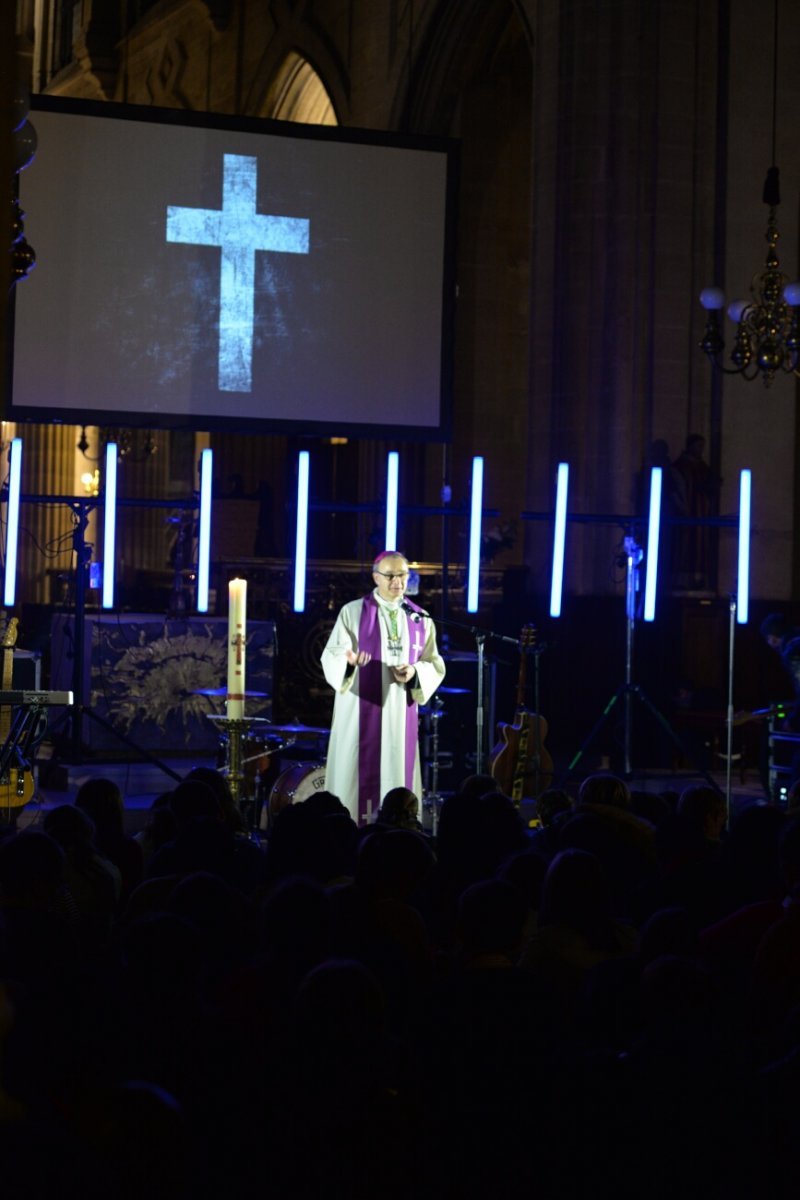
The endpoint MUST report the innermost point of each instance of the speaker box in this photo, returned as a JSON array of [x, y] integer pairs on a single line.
[[26, 672]]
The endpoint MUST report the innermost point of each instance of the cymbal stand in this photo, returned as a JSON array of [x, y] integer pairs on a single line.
[[480, 721], [537, 652]]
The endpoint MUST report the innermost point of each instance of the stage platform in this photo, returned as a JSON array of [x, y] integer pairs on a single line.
[[141, 782]]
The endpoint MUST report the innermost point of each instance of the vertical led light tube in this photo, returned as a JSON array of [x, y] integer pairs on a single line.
[[392, 474], [743, 574], [12, 524], [653, 534], [559, 539], [301, 540], [204, 530], [476, 511], [109, 524]]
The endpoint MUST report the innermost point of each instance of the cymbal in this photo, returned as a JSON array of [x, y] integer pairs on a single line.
[[223, 691], [298, 729], [446, 691]]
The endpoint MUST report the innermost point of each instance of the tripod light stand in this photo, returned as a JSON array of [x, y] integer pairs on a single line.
[[629, 691], [77, 750]]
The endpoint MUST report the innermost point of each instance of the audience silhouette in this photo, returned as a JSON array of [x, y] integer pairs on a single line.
[[606, 1004]]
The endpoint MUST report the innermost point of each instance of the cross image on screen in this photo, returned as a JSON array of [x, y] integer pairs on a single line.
[[240, 275], [239, 231]]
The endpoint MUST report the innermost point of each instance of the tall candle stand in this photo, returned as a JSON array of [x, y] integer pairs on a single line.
[[235, 731]]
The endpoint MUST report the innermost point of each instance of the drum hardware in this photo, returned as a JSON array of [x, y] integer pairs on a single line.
[[256, 750], [234, 734], [431, 800], [267, 750], [429, 816], [444, 757], [296, 728], [294, 785], [223, 691]]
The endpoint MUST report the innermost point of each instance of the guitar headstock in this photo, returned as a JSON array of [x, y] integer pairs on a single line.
[[527, 637], [9, 638]]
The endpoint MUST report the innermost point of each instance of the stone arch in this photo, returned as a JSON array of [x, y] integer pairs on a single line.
[[472, 79], [299, 60], [464, 40], [297, 93]]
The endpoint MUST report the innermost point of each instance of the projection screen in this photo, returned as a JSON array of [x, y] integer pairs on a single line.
[[199, 272]]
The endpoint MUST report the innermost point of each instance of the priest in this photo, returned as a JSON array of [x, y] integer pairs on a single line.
[[381, 660]]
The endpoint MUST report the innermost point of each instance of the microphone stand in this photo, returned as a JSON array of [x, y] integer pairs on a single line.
[[732, 606], [481, 636]]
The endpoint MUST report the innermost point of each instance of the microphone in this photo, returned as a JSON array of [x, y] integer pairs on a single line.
[[416, 614]]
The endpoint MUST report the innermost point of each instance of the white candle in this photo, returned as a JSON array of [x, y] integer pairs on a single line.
[[237, 631]]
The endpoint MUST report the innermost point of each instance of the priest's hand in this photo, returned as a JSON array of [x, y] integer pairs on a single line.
[[403, 674], [358, 658]]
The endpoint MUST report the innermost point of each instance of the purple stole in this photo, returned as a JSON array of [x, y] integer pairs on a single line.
[[370, 705]]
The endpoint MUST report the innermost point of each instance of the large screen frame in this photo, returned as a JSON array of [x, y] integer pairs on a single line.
[[412, 401]]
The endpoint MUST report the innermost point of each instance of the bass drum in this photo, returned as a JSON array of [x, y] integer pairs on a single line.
[[293, 786]]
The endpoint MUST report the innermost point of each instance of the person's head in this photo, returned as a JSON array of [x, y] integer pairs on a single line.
[[793, 800], [774, 629], [551, 803], [390, 575], [491, 920], [221, 788], [695, 445], [789, 855], [576, 893], [193, 799], [659, 453], [392, 863], [31, 870], [70, 826], [475, 786], [703, 809], [101, 800], [605, 789], [399, 807]]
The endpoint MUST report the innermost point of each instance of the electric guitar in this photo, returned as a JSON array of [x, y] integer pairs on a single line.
[[778, 711], [16, 783], [520, 763]]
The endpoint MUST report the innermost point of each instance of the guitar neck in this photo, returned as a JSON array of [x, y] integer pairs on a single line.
[[9, 639]]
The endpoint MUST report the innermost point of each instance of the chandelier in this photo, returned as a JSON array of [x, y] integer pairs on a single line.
[[767, 336], [128, 450]]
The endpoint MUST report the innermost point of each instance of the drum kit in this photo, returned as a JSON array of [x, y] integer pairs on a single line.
[[251, 753], [250, 757]]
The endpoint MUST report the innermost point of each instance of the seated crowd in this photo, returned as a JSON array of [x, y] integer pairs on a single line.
[[607, 1003]]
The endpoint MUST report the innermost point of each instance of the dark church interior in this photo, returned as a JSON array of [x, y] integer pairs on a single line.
[[403, 396]]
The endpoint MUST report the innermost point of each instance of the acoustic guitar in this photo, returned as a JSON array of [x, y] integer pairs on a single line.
[[16, 783], [520, 763]]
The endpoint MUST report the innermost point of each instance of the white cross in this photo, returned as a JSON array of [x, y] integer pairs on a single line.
[[239, 231], [419, 645]]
